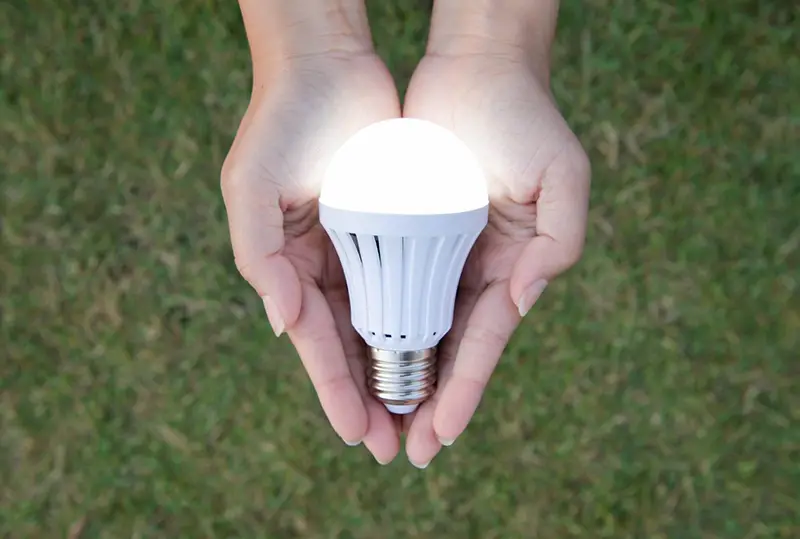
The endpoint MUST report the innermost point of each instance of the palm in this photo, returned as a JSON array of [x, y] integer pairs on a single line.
[[288, 136], [509, 120]]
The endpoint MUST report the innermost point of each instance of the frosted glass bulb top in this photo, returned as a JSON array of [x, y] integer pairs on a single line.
[[404, 166]]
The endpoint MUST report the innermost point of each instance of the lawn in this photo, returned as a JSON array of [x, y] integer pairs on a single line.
[[654, 392]]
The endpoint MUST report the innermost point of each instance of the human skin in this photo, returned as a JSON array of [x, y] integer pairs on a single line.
[[485, 76], [316, 81]]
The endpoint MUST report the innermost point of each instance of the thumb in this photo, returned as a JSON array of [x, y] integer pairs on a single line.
[[561, 213], [255, 220]]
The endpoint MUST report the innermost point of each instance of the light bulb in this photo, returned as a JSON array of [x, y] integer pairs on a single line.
[[403, 202]]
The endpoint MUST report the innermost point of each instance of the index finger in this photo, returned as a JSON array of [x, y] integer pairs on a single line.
[[488, 329], [316, 338]]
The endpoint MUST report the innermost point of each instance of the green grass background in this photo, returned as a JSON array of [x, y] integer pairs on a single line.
[[653, 393]]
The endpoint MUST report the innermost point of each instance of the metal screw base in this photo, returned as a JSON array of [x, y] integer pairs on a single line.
[[401, 378]]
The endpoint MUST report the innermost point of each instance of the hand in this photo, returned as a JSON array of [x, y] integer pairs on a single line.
[[299, 114], [538, 178]]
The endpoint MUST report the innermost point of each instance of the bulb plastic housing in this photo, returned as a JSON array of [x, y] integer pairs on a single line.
[[403, 202]]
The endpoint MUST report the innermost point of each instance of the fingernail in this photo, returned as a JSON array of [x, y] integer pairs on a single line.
[[382, 462], [420, 466], [352, 444], [446, 441], [530, 296], [274, 316]]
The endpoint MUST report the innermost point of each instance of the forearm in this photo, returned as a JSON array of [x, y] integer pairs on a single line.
[[279, 30], [503, 27]]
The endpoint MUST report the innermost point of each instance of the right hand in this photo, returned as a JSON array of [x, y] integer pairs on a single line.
[[538, 177], [297, 118]]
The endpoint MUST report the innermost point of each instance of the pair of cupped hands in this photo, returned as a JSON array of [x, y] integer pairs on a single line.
[[538, 180]]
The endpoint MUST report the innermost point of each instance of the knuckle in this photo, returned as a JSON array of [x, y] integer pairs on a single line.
[[231, 174], [484, 337], [323, 337], [578, 160], [246, 270], [474, 380], [574, 254], [582, 163], [336, 383]]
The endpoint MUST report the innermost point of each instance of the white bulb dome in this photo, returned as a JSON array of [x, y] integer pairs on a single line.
[[404, 166]]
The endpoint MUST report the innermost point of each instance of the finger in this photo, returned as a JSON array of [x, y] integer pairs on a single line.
[[421, 442], [316, 338], [382, 438], [490, 326], [448, 348], [423, 445], [562, 209], [255, 221]]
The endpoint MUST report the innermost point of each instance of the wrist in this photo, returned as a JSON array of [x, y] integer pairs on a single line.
[[279, 31], [521, 29]]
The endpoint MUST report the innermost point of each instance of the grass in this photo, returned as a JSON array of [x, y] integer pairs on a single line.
[[654, 393]]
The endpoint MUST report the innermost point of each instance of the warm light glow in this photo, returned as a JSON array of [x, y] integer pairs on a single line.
[[404, 166]]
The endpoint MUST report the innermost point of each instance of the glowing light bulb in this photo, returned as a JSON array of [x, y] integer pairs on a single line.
[[403, 202]]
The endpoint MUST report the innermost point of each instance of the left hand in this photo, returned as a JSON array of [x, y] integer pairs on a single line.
[[538, 176]]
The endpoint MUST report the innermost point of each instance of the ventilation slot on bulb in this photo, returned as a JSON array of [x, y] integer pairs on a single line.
[[354, 239], [402, 289]]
